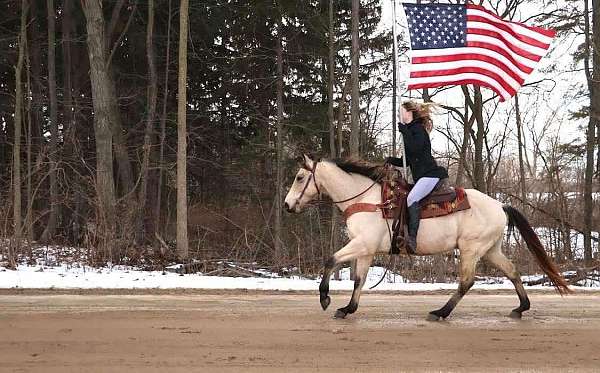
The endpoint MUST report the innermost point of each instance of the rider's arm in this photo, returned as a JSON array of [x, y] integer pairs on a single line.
[[414, 138]]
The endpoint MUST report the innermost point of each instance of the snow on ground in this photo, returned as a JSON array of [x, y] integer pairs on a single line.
[[82, 277]]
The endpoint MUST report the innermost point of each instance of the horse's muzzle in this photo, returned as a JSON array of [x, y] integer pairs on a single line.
[[287, 207]]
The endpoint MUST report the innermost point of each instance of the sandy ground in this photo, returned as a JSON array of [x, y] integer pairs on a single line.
[[270, 332]]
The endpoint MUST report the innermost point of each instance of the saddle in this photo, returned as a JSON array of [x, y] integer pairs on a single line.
[[443, 200]]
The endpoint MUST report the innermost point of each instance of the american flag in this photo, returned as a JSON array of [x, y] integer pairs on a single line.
[[454, 44]]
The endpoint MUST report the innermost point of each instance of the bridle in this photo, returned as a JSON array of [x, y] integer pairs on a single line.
[[313, 177]]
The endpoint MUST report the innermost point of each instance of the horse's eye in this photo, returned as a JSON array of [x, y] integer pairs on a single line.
[[299, 178]]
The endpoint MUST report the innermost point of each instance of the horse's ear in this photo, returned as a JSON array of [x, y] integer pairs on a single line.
[[308, 162], [300, 161]]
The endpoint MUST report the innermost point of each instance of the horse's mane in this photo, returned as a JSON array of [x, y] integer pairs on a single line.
[[373, 171]]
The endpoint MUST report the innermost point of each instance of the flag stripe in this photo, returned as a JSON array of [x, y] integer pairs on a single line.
[[517, 28], [476, 54], [464, 70], [491, 44], [539, 30], [480, 22], [460, 79], [512, 47], [434, 69]]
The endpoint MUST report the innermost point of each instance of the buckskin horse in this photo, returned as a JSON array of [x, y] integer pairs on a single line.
[[476, 232]]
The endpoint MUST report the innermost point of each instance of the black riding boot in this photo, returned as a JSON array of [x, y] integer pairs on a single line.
[[414, 216]]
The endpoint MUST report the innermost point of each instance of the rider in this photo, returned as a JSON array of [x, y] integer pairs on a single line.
[[415, 126]]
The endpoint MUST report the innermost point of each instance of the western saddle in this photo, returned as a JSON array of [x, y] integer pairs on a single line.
[[443, 200]]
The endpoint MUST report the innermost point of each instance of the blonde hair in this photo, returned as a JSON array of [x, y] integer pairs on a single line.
[[421, 111]]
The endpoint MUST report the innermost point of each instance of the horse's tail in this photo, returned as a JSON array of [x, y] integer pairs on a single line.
[[516, 219]]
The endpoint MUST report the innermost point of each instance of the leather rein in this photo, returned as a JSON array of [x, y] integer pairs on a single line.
[[352, 209]]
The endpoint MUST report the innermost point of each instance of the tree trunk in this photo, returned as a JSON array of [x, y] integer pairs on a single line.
[[478, 169], [594, 116], [467, 124], [150, 119], [16, 242], [121, 153], [103, 105], [341, 115], [279, 178], [355, 113], [331, 80], [163, 125], [521, 147], [334, 238], [36, 74], [28, 215], [182, 234], [69, 153], [50, 229]]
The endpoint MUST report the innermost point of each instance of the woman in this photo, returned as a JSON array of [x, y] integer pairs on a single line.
[[415, 126]]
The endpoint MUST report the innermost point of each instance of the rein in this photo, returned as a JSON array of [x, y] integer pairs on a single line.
[[313, 177]]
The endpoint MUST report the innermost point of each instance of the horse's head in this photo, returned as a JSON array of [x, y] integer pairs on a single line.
[[304, 189]]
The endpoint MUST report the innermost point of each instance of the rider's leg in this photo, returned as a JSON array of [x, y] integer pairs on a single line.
[[422, 188]]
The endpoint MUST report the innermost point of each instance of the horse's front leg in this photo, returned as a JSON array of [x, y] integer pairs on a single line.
[[324, 286], [352, 250], [363, 264]]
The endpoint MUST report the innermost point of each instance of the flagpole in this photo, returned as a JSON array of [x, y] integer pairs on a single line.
[[394, 99]]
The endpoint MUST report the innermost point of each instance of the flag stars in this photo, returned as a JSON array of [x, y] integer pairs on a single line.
[[435, 25]]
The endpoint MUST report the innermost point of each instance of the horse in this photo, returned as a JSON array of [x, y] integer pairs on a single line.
[[477, 232]]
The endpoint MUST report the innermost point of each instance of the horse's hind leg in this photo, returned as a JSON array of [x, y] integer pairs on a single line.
[[362, 268], [497, 259], [467, 278]]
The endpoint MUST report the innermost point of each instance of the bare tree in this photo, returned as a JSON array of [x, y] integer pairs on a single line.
[[182, 232], [333, 236], [331, 80], [521, 147], [150, 119], [355, 113], [50, 229], [163, 125], [279, 177], [593, 76], [103, 105], [17, 141]]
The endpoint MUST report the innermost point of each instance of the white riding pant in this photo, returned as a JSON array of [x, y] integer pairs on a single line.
[[422, 188]]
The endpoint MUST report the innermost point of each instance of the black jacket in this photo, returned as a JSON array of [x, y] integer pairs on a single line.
[[418, 152]]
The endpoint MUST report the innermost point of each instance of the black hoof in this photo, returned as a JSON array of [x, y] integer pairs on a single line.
[[340, 314], [433, 317], [325, 302], [515, 315]]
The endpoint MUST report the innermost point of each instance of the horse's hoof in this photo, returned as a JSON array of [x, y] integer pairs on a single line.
[[339, 314], [515, 315], [325, 302], [433, 317]]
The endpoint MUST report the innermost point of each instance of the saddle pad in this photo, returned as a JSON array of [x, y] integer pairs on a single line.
[[394, 193], [461, 202]]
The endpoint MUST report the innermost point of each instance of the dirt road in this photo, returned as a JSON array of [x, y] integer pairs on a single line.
[[240, 332]]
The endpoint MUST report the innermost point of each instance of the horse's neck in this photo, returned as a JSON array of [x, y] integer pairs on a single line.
[[340, 185]]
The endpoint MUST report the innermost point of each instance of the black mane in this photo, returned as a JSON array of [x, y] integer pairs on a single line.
[[371, 170]]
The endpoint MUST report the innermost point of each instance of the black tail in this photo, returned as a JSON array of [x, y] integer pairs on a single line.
[[516, 219]]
